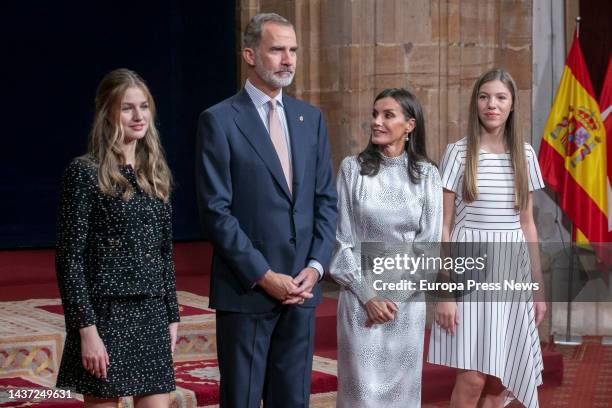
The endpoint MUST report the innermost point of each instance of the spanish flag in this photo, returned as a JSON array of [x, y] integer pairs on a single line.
[[573, 151]]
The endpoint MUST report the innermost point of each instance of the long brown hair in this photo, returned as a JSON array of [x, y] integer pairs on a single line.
[[152, 173], [513, 140], [371, 157]]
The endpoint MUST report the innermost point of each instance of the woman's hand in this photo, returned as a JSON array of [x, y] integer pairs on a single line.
[[447, 316], [93, 352], [173, 327], [379, 311], [540, 312]]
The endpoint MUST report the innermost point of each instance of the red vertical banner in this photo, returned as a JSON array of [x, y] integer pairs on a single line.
[[605, 107]]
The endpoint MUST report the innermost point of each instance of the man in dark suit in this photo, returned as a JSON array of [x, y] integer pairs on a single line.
[[268, 204]]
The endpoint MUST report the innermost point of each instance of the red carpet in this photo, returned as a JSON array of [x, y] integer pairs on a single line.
[[29, 274], [438, 381], [31, 340], [202, 378], [587, 378]]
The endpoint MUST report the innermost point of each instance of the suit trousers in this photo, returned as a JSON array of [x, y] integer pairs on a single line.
[[266, 356]]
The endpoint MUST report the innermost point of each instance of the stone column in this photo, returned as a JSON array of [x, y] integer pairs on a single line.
[[351, 50]]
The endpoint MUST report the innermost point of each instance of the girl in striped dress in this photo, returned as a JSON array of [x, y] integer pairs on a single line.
[[488, 179]]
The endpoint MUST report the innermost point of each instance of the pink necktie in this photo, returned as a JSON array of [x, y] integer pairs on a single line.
[[278, 140]]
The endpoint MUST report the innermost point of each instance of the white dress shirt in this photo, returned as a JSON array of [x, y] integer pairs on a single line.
[[261, 100]]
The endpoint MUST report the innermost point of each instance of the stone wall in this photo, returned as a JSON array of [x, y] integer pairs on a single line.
[[352, 49]]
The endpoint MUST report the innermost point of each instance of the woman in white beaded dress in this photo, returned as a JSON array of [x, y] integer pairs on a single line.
[[389, 193], [488, 178]]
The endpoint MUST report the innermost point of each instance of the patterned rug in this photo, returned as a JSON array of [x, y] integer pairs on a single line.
[[587, 380], [32, 337]]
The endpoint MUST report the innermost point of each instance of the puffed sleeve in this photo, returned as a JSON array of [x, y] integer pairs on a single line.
[[536, 181], [345, 266], [430, 223], [77, 198], [428, 236], [172, 307], [451, 168]]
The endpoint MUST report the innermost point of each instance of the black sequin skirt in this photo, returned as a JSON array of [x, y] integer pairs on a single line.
[[136, 336]]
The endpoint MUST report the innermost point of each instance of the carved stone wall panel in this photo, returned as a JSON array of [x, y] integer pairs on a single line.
[[350, 50]]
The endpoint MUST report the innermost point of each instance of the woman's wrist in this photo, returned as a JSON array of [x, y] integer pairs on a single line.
[[88, 331]]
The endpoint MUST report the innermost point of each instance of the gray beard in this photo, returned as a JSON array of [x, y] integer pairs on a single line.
[[269, 78]]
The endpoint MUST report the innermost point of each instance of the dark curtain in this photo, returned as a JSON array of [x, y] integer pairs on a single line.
[[54, 55], [596, 38]]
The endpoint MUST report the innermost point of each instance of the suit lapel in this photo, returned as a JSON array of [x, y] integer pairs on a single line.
[[298, 141], [250, 125]]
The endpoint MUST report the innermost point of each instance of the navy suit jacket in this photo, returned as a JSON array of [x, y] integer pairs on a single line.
[[246, 209]]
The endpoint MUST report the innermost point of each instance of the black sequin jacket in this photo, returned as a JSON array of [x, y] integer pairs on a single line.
[[107, 247]]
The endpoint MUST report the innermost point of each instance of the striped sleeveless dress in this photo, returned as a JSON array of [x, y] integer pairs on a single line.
[[494, 338]]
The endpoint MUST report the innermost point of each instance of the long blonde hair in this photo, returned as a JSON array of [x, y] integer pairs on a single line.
[[152, 173], [513, 139]]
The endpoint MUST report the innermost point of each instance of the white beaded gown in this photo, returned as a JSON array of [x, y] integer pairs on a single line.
[[495, 338], [381, 366]]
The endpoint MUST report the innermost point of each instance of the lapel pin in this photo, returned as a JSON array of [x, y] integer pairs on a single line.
[[301, 118]]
